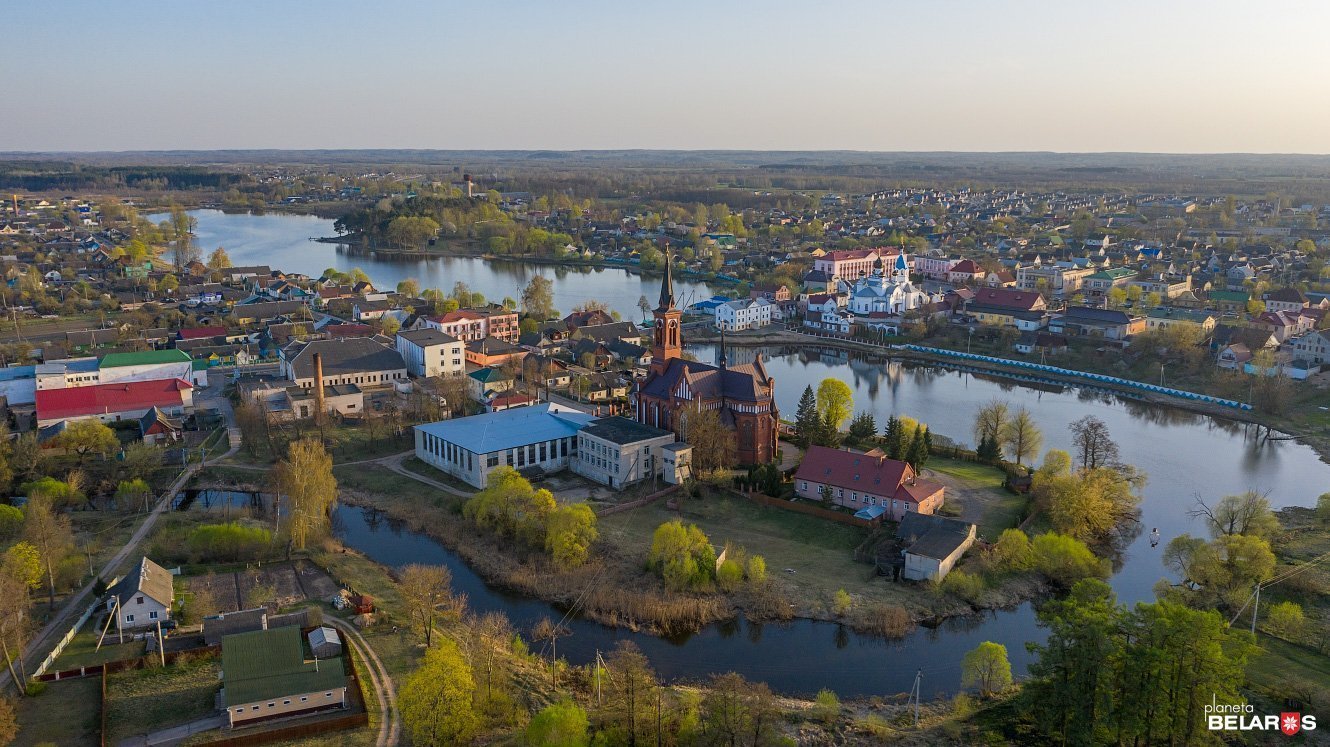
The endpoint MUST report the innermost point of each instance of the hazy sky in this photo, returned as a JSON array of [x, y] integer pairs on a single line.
[[1210, 76]]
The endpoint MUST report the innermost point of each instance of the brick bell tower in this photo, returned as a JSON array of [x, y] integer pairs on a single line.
[[667, 341]]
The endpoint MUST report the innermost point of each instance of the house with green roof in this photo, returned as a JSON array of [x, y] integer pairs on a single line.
[[273, 673], [1229, 302], [1100, 283], [146, 365]]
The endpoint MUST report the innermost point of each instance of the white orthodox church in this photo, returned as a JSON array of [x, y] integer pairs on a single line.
[[883, 293]]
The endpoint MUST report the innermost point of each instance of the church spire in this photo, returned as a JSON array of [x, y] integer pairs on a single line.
[[667, 287], [721, 361]]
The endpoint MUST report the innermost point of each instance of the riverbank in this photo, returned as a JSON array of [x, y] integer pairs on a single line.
[[1311, 433]]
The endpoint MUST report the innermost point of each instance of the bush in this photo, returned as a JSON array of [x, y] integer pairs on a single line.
[[826, 706], [886, 620], [842, 603], [757, 570], [1012, 552], [730, 575], [1285, 620], [231, 541], [1065, 560], [963, 585]]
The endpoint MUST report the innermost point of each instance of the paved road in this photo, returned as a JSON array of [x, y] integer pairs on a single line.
[[175, 734]]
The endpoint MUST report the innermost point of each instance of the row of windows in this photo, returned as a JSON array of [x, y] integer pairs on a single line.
[[449, 452], [870, 500], [286, 702], [151, 616]]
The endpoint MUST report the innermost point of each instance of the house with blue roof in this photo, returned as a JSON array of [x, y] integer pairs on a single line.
[[534, 440]]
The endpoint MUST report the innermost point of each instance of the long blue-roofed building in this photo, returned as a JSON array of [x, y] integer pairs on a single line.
[[533, 440]]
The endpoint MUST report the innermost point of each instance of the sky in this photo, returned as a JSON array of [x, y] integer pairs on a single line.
[[876, 75]]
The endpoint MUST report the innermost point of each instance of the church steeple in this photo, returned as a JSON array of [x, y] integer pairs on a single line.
[[666, 342], [667, 287]]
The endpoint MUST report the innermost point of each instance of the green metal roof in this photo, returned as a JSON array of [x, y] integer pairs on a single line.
[[145, 358], [1113, 274], [200, 365], [266, 664]]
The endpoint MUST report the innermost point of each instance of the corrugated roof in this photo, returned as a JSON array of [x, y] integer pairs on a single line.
[[265, 664], [144, 358], [124, 396], [508, 429]]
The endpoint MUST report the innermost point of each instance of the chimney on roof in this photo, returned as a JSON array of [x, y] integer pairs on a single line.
[[318, 384]]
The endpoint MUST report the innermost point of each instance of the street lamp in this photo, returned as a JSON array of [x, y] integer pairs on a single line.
[[968, 339], [1161, 373]]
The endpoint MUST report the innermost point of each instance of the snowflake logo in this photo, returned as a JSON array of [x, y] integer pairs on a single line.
[[1290, 723]]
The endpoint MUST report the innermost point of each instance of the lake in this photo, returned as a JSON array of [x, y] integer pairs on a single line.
[[282, 242], [1185, 454]]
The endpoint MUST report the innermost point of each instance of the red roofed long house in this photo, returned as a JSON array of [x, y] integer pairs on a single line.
[[850, 264], [743, 395], [863, 480], [126, 400]]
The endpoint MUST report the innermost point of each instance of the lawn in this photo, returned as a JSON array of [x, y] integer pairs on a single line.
[[83, 652], [417, 465], [977, 489], [139, 701], [818, 554], [67, 713], [384, 482], [1281, 662]]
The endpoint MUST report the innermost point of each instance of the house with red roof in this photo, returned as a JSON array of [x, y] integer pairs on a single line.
[[109, 403], [866, 480]]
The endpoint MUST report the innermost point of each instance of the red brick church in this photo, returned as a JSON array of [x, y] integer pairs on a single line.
[[744, 394]]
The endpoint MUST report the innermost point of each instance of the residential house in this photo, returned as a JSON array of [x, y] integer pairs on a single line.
[[157, 427], [492, 351], [429, 352], [271, 674], [770, 291], [1008, 307], [1109, 324], [1199, 319], [1285, 299], [866, 480], [1234, 356], [1313, 347], [488, 382], [743, 314], [849, 264], [965, 272], [144, 597], [1100, 283], [1061, 280], [1285, 325], [1229, 302]]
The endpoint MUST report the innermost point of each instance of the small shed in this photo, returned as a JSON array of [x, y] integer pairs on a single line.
[[363, 604], [325, 643]]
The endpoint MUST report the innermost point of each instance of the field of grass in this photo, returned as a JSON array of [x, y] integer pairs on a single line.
[[385, 482], [66, 714], [978, 489], [818, 554], [83, 652], [139, 701], [418, 466]]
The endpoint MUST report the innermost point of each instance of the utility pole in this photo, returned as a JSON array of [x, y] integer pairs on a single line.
[[597, 678], [1255, 607], [915, 692]]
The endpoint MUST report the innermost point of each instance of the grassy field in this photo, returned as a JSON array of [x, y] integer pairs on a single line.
[[818, 554], [139, 701], [385, 482], [418, 466], [977, 488], [83, 652], [66, 714]]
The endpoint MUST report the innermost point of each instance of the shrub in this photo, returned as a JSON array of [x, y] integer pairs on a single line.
[[683, 556], [231, 541], [842, 603], [561, 724], [730, 575], [1285, 620], [826, 706], [757, 570], [1066, 560], [963, 585], [886, 620], [1012, 552]]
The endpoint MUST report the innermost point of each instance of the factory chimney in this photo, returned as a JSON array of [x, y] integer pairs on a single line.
[[318, 386]]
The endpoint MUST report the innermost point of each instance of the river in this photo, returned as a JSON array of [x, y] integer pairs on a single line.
[[282, 242], [1185, 454]]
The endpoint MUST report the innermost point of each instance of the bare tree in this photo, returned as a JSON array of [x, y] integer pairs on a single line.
[[1248, 513], [51, 534], [1093, 444], [1021, 437], [550, 632], [427, 591]]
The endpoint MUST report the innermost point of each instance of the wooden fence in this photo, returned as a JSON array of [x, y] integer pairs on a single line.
[[807, 508], [638, 503], [69, 634]]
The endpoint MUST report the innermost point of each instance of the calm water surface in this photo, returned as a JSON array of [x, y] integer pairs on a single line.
[[1185, 455]]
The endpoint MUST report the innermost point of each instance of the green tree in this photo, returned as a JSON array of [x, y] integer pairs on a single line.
[[682, 555], [1323, 508], [756, 570], [569, 534], [51, 533], [562, 724], [1285, 619], [835, 402], [1012, 551], [730, 575], [807, 423], [512, 507], [58, 494], [987, 668], [631, 697], [863, 426], [84, 437], [1248, 513], [713, 443], [219, 259], [11, 522], [305, 480], [538, 298], [841, 603], [436, 700], [1020, 436], [409, 231], [1065, 560], [990, 421], [133, 493], [409, 287], [738, 712], [23, 563]]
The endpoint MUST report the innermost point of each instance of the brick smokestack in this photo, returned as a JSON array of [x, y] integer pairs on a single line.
[[318, 384]]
